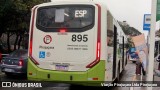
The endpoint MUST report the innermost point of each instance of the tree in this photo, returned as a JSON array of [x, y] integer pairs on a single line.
[[129, 31], [15, 18]]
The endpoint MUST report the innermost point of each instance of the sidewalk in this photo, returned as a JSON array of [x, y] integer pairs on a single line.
[[129, 75], [143, 78]]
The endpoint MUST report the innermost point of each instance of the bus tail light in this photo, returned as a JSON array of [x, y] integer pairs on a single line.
[[98, 50], [31, 38], [97, 57], [62, 30], [98, 40]]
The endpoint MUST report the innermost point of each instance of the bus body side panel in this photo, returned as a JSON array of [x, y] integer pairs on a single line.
[[38, 74], [104, 48], [103, 33]]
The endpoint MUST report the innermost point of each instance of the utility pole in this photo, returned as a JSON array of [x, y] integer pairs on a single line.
[[151, 43]]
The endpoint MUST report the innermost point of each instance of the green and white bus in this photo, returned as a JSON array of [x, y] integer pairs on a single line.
[[75, 41]]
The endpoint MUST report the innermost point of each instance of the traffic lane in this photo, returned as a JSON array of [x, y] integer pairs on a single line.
[[55, 88], [1, 74], [16, 78], [12, 77], [59, 88], [4, 78], [0, 70], [126, 75], [43, 88], [20, 78]]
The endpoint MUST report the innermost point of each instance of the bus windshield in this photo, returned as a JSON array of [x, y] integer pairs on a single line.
[[65, 17]]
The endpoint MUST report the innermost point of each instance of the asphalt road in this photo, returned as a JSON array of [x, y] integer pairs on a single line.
[[56, 86], [127, 75]]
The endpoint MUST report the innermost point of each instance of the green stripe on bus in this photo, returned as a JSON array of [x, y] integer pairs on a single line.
[[39, 74]]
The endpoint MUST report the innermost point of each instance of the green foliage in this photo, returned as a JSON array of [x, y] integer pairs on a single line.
[[15, 14], [130, 31], [130, 43], [15, 17]]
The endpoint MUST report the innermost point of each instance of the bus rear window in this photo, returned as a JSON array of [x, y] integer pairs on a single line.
[[70, 17]]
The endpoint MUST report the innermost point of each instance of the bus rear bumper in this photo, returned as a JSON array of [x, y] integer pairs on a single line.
[[93, 76]]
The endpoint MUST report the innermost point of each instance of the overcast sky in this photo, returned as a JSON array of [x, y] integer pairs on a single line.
[[131, 11]]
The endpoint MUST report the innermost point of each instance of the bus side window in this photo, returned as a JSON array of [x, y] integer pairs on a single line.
[[109, 38], [110, 30]]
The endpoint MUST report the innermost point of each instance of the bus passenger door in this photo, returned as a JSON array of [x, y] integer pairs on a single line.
[[123, 52], [115, 53]]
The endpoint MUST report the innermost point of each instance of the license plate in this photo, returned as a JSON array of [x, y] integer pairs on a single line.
[[62, 67], [8, 70]]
